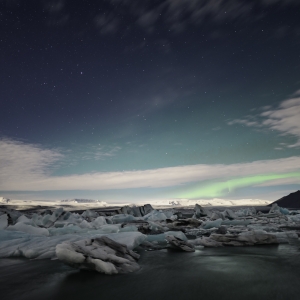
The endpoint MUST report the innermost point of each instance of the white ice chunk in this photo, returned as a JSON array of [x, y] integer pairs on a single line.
[[97, 223], [100, 253], [130, 228], [109, 228], [28, 229], [24, 219], [90, 214], [85, 224], [122, 218], [71, 229], [169, 213], [155, 226], [211, 224], [162, 237], [228, 213], [130, 239], [102, 266], [16, 243], [65, 253], [284, 236], [67, 230], [155, 215]]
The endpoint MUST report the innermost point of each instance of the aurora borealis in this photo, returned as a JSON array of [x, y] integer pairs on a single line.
[[220, 189], [133, 101]]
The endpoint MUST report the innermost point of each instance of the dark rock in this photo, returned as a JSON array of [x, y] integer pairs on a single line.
[[189, 221], [222, 230]]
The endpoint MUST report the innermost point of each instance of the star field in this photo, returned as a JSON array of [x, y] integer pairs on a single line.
[[124, 86]]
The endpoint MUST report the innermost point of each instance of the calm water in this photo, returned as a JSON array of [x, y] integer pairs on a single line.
[[265, 272]]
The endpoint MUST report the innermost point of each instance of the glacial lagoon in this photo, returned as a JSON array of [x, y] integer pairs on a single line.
[[240, 254], [270, 272]]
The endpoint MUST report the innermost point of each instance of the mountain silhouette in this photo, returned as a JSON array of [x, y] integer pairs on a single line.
[[290, 201]]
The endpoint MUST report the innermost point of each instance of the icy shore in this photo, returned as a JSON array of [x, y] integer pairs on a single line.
[[108, 241]]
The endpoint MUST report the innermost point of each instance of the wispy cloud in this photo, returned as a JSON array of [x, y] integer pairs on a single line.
[[284, 119], [150, 14], [54, 6], [107, 23], [178, 14], [100, 152], [27, 167], [56, 13], [19, 160]]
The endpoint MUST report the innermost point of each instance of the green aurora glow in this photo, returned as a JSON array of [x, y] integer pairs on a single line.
[[219, 189]]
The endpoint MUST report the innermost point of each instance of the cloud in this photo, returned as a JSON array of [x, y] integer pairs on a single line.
[[106, 23], [100, 152], [297, 93], [28, 167], [148, 19], [56, 15], [19, 160], [178, 14], [54, 6], [284, 119]]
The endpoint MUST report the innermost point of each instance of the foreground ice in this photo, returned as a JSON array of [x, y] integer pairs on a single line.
[[14, 243], [101, 254], [105, 242]]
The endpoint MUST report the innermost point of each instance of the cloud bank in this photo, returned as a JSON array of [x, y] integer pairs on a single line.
[[284, 119], [28, 167]]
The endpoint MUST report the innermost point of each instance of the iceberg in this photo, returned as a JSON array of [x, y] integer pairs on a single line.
[[21, 244], [122, 218], [179, 244], [101, 254], [155, 215], [201, 211], [211, 224], [98, 222], [162, 237], [28, 229]]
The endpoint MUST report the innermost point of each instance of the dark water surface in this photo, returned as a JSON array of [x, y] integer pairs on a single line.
[[264, 272]]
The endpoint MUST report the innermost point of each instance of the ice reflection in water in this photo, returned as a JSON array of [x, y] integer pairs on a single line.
[[265, 272]]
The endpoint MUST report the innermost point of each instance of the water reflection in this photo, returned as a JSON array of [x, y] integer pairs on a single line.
[[265, 272]]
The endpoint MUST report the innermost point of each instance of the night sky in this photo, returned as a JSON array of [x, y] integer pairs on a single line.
[[149, 100]]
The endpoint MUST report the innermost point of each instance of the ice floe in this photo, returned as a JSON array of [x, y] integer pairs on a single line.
[[104, 240]]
